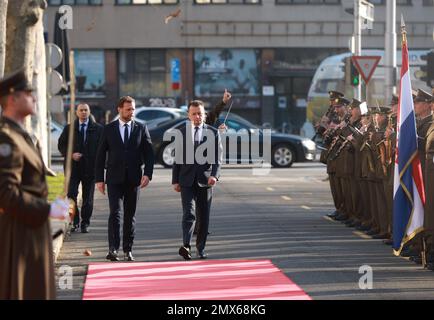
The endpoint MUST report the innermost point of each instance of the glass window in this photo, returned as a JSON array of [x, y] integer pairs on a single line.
[[227, 1], [308, 1], [74, 2], [143, 73], [90, 72], [122, 2], [234, 69]]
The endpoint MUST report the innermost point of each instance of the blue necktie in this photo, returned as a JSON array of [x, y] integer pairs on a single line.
[[82, 135]]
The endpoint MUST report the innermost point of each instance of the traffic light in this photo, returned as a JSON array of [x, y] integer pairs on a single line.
[[351, 73], [428, 69], [354, 75]]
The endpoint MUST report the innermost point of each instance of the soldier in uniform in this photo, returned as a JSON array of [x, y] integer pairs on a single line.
[[422, 108], [429, 193], [26, 266]]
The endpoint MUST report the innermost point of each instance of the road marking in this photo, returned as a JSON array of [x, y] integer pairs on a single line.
[[361, 235], [286, 198], [305, 207], [270, 189]]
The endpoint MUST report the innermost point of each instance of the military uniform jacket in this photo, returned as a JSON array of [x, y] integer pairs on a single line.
[[429, 180], [422, 129], [26, 266]]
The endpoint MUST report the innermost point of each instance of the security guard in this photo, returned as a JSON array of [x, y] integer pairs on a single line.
[[26, 266]]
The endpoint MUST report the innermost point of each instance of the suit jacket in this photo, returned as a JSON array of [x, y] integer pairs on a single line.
[[86, 165], [186, 174], [124, 162], [25, 233]]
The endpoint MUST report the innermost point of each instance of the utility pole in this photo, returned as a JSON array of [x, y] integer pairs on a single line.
[[390, 51], [357, 41]]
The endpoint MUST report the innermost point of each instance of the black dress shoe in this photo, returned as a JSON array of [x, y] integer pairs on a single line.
[[74, 228], [112, 256], [202, 255], [128, 256], [84, 229], [185, 253]]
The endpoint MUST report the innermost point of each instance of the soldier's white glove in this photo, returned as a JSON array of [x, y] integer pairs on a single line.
[[60, 209]]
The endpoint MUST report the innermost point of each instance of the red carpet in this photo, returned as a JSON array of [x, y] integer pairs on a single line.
[[190, 280]]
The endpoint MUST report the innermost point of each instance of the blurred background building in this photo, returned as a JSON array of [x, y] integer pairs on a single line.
[[265, 52]]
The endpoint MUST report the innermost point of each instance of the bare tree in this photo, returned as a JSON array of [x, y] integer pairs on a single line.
[[25, 49], [3, 12]]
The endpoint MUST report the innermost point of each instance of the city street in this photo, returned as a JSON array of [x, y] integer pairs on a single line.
[[279, 216]]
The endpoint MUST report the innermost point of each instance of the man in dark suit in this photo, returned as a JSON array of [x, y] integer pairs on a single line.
[[194, 173], [86, 137], [127, 146]]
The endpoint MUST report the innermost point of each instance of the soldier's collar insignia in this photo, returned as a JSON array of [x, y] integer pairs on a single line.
[[5, 150]]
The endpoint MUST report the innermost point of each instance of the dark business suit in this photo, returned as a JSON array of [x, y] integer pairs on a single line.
[[82, 171], [193, 180], [124, 172]]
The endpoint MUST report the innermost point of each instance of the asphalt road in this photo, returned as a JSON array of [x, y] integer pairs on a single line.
[[278, 216]]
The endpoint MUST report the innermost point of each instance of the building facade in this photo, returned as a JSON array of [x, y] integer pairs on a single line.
[[166, 52]]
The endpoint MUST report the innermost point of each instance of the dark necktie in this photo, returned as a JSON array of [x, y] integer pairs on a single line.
[[126, 133], [196, 138]]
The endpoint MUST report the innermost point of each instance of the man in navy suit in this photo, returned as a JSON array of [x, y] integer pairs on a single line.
[[194, 173], [126, 146]]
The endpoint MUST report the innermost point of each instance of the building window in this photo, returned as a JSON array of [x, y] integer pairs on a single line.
[[227, 1], [129, 2], [234, 69], [308, 1], [89, 72], [143, 73], [75, 2], [428, 3], [403, 2]]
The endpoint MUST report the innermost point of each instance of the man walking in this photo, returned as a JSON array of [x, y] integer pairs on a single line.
[[127, 146], [86, 137], [195, 179]]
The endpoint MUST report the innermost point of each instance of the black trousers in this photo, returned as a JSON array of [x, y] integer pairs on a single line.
[[129, 195], [195, 201], [88, 190]]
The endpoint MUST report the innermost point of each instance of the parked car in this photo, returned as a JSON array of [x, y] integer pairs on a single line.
[[285, 148], [56, 131]]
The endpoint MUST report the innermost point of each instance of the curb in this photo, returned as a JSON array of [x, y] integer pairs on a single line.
[[57, 225]]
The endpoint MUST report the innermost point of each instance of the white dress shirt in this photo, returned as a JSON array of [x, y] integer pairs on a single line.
[[199, 132], [122, 128]]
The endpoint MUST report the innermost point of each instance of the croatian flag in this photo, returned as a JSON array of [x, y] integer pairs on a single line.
[[408, 188]]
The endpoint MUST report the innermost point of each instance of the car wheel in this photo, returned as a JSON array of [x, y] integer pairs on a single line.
[[282, 156], [167, 155]]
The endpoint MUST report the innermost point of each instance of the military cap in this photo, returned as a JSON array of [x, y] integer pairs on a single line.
[[380, 110], [335, 94], [354, 104], [341, 102], [14, 82], [423, 96], [394, 100]]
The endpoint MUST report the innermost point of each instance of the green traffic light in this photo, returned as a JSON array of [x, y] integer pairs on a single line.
[[355, 81]]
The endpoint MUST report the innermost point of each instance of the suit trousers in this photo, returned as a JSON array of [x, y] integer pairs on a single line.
[[129, 194], [87, 191], [200, 198]]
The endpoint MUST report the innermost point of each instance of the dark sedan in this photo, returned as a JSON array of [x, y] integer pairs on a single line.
[[285, 148]]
